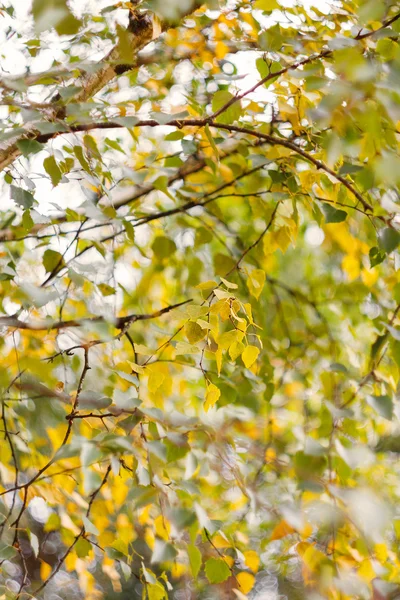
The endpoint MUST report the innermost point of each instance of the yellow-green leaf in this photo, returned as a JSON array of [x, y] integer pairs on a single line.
[[249, 355]]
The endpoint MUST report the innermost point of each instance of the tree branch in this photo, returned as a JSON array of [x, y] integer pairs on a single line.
[[119, 323], [143, 28], [274, 141]]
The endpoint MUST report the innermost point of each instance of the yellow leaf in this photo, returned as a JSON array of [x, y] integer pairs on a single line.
[[228, 284], [140, 349], [249, 355], [366, 571], [351, 265], [236, 350], [283, 238], [194, 332], [159, 375], [246, 581], [221, 50], [281, 530], [226, 339], [221, 542], [212, 396], [266, 5], [70, 561], [381, 552], [162, 527], [255, 282], [135, 367], [207, 285], [247, 308], [311, 557], [252, 560], [45, 570], [218, 358]]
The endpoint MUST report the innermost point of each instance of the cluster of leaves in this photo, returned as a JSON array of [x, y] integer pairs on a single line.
[[200, 302]]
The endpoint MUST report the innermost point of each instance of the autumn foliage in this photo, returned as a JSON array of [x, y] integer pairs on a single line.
[[199, 300]]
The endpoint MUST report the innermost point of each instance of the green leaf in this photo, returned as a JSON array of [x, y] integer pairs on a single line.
[[7, 552], [52, 169], [217, 570], [52, 260], [113, 144], [106, 290], [333, 215], [28, 147], [89, 527], [163, 247], [54, 13], [231, 114], [129, 229], [82, 547], [389, 239], [78, 151], [125, 45], [376, 256], [126, 570], [90, 400], [21, 197], [383, 405], [27, 222], [176, 451], [266, 69], [163, 552], [195, 560]]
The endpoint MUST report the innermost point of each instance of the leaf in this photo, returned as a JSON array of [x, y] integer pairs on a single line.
[[195, 560], [256, 282], [231, 114], [383, 405], [106, 290], [82, 547], [88, 400], [52, 169], [163, 552], [130, 232], [124, 45], [389, 239], [376, 256], [7, 552], [217, 570], [212, 396], [236, 349], [54, 13], [266, 5], [78, 151], [281, 530], [252, 560], [332, 214], [246, 581], [21, 197], [211, 140], [52, 260], [89, 527], [194, 332], [163, 247], [34, 541], [249, 355], [155, 591], [112, 143], [28, 147], [126, 570]]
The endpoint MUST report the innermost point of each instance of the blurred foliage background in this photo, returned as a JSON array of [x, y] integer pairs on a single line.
[[199, 300]]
